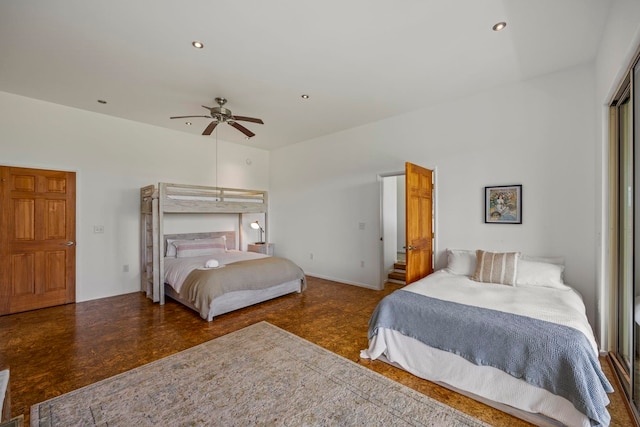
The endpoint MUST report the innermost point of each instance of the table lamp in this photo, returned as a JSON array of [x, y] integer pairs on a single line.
[[256, 226]]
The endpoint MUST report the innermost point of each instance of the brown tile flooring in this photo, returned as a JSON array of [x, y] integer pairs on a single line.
[[53, 351]]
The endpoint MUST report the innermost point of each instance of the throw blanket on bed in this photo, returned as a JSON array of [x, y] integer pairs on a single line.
[[202, 286], [554, 357]]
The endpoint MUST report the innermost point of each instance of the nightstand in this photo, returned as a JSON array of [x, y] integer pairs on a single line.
[[261, 248]]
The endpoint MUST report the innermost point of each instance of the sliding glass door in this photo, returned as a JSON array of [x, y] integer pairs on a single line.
[[625, 238]]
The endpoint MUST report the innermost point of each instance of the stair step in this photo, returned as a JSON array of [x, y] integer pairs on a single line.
[[400, 266], [396, 275]]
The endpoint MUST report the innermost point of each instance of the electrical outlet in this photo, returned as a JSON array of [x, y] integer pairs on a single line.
[[362, 264], [361, 225], [125, 268], [98, 228], [311, 256]]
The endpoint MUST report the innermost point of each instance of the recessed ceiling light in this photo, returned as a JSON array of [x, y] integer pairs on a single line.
[[188, 123], [197, 44], [102, 101], [305, 96], [499, 26]]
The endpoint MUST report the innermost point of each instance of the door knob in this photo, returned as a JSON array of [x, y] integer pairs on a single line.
[[70, 243], [411, 248]]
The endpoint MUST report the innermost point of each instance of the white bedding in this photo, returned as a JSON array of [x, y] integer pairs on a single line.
[[561, 306], [176, 270]]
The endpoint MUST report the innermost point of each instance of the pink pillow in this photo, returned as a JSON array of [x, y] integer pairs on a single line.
[[201, 247]]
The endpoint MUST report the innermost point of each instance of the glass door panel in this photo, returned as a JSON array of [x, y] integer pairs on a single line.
[[625, 238], [633, 130]]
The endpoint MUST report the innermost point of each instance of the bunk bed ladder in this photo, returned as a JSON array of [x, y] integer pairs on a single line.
[[149, 252]]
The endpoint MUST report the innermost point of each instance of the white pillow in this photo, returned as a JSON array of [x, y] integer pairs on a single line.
[[461, 261], [171, 249], [201, 247], [557, 260], [543, 274]]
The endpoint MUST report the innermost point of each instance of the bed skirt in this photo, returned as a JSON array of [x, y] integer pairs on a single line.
[[239, 299]]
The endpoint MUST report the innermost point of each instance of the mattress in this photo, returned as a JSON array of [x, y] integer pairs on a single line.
[[176, 270]]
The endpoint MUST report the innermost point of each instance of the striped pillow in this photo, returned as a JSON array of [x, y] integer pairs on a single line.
[[496, 267], [200, 247]]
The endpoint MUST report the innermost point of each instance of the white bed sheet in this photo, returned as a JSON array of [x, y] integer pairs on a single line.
[[176, 270], [564, 307]]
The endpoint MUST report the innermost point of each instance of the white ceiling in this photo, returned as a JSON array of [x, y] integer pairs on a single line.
[[359, 60]]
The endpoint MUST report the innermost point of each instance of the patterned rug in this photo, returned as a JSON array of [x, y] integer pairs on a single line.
[[259, 375]]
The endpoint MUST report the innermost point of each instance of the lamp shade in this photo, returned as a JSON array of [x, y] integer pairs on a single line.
[[256, 226]]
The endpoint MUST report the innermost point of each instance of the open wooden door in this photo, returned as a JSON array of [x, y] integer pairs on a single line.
[[37, 238], [419, 222]]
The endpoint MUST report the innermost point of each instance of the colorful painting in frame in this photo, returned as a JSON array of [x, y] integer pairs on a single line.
[[503, 204]]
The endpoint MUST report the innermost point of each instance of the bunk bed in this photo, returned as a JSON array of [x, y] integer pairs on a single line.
[[165, 199]]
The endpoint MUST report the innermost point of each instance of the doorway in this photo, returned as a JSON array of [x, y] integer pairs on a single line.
[[407, 224], [392, 196]]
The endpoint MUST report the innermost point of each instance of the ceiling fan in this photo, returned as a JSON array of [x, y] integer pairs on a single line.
[[223, 115]]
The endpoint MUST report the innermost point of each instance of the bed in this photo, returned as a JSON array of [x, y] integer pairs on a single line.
[[263, 278], [501, 328], [158, 201], [204, 272]]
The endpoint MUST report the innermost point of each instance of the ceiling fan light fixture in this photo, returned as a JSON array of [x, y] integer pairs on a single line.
[[499, 26], [221, 114], [197, 44]]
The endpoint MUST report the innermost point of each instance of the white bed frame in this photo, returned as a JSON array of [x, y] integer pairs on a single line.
[[165, 198]]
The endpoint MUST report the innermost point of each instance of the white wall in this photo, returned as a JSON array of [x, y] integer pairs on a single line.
[[539, 133], [620, 41], [113, 158]]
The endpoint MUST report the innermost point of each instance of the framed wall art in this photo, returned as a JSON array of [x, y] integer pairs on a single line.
[[503, 204]]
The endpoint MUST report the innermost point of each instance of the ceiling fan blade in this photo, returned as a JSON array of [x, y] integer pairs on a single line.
[[210, 128], [242, 129], [187, 117], [248, 119]]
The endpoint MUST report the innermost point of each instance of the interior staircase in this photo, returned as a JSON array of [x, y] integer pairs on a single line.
[[399, 273]]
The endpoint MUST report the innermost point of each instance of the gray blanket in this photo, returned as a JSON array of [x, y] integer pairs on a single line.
[[203, 286], [556, 358]]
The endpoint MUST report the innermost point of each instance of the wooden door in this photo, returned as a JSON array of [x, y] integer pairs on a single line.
[[419, 222], [37, 239]]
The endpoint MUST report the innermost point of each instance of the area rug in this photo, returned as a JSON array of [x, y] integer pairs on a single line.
[[259, 375]]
